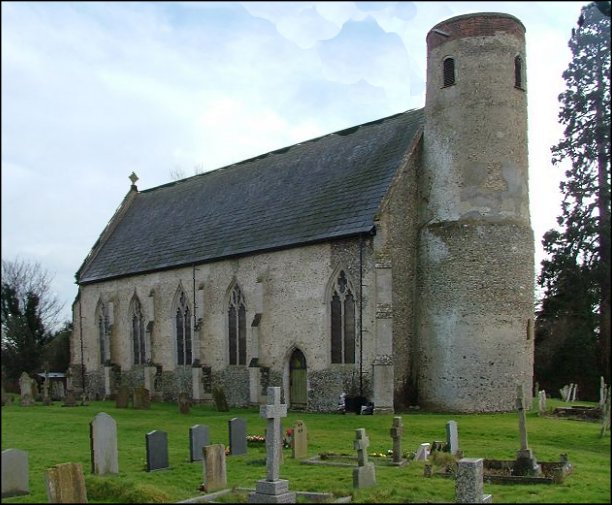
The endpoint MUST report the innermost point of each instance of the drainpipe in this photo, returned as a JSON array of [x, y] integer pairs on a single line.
[[361, 315], [82, 353]]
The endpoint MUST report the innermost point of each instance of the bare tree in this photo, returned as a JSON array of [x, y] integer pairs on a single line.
[[27, 278]]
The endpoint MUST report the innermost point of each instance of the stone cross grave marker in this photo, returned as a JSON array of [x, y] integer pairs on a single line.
[[184, 403], [198, 439], [237, 436], [525, 463], [66, 483], [15, 473], [452, 437], [272, 489], [364, 475], [122, 398], [25, 389], [215, 473], [103, 438], [141, 398], [396, 432], [157, 450], [299, 443], [468, 484]]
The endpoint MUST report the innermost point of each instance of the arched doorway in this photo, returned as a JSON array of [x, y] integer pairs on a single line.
[[297, 380]]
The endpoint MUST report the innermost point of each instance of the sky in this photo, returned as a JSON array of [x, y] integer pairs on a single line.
[[93, 91]]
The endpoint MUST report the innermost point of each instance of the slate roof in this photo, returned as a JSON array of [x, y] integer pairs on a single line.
[[321, 189]]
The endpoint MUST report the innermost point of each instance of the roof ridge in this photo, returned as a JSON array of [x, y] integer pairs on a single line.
[[346, 131]]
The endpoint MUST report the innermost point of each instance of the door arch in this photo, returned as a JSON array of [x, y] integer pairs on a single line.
[[298, 396]]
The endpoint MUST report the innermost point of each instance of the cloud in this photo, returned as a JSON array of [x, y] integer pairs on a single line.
[[92, 91]]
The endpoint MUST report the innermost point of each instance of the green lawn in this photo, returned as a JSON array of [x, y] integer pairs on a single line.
[[56, 434]]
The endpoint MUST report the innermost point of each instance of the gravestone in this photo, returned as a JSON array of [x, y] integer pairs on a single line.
[[220, 400], [237, 436], [198, 439], [69, 398], [141, 398], [299, 442], [66, 483], [25, 389], [184, 403], [57, 390], [215, 473], [157, 450], [272, 489], [542, 402], [525, 463], [422, 452], [468, 484], [396, 432], [122, 398], [103, 443], [364, 475], [15, 473], [452, 437]]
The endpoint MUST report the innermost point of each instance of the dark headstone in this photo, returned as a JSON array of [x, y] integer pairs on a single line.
[[69, 398], [184, 403], [237, 436], [141, 398], [220, 400], [122, 398], [157, 450], [198, 439]]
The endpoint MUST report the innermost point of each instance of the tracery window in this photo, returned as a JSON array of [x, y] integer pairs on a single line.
[[449, 71], [342, 322], [103, 332], [183, 331], [236, 314], [138, 333]]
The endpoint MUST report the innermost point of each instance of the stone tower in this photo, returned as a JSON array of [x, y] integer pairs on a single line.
[[476, 253]]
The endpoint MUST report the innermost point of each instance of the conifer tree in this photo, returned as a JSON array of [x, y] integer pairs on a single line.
[[576, 274]]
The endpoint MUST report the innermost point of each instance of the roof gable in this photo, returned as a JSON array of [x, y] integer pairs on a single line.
[[325, 188]]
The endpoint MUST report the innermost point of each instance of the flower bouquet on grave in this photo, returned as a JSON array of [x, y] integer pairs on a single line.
[[255, 440], [288, 438]]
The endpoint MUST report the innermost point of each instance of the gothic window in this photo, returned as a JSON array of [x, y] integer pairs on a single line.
[[138, 333], [449, 72], [518, 72], [103, 332], [236, 315], [183, 331], [342, 322]]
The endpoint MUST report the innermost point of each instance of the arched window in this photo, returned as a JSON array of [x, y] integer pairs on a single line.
[[518, 72], [342, 322], [103, 332], [449, 71], [138, 333], [183, 331], [236, 315]]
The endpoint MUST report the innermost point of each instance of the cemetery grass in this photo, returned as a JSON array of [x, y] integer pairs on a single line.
[[56, 434]]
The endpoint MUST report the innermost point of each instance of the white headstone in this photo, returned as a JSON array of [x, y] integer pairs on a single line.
[[104, 454]]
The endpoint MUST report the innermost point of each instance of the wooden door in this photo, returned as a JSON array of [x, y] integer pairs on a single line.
[[297, 380]]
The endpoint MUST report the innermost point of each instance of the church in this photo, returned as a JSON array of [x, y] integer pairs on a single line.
[[392, 261]]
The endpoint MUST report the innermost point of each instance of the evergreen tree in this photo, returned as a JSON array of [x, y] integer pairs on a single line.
[[576, 275]]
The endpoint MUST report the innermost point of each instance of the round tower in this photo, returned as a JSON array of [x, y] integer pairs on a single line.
[[476, 252]]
